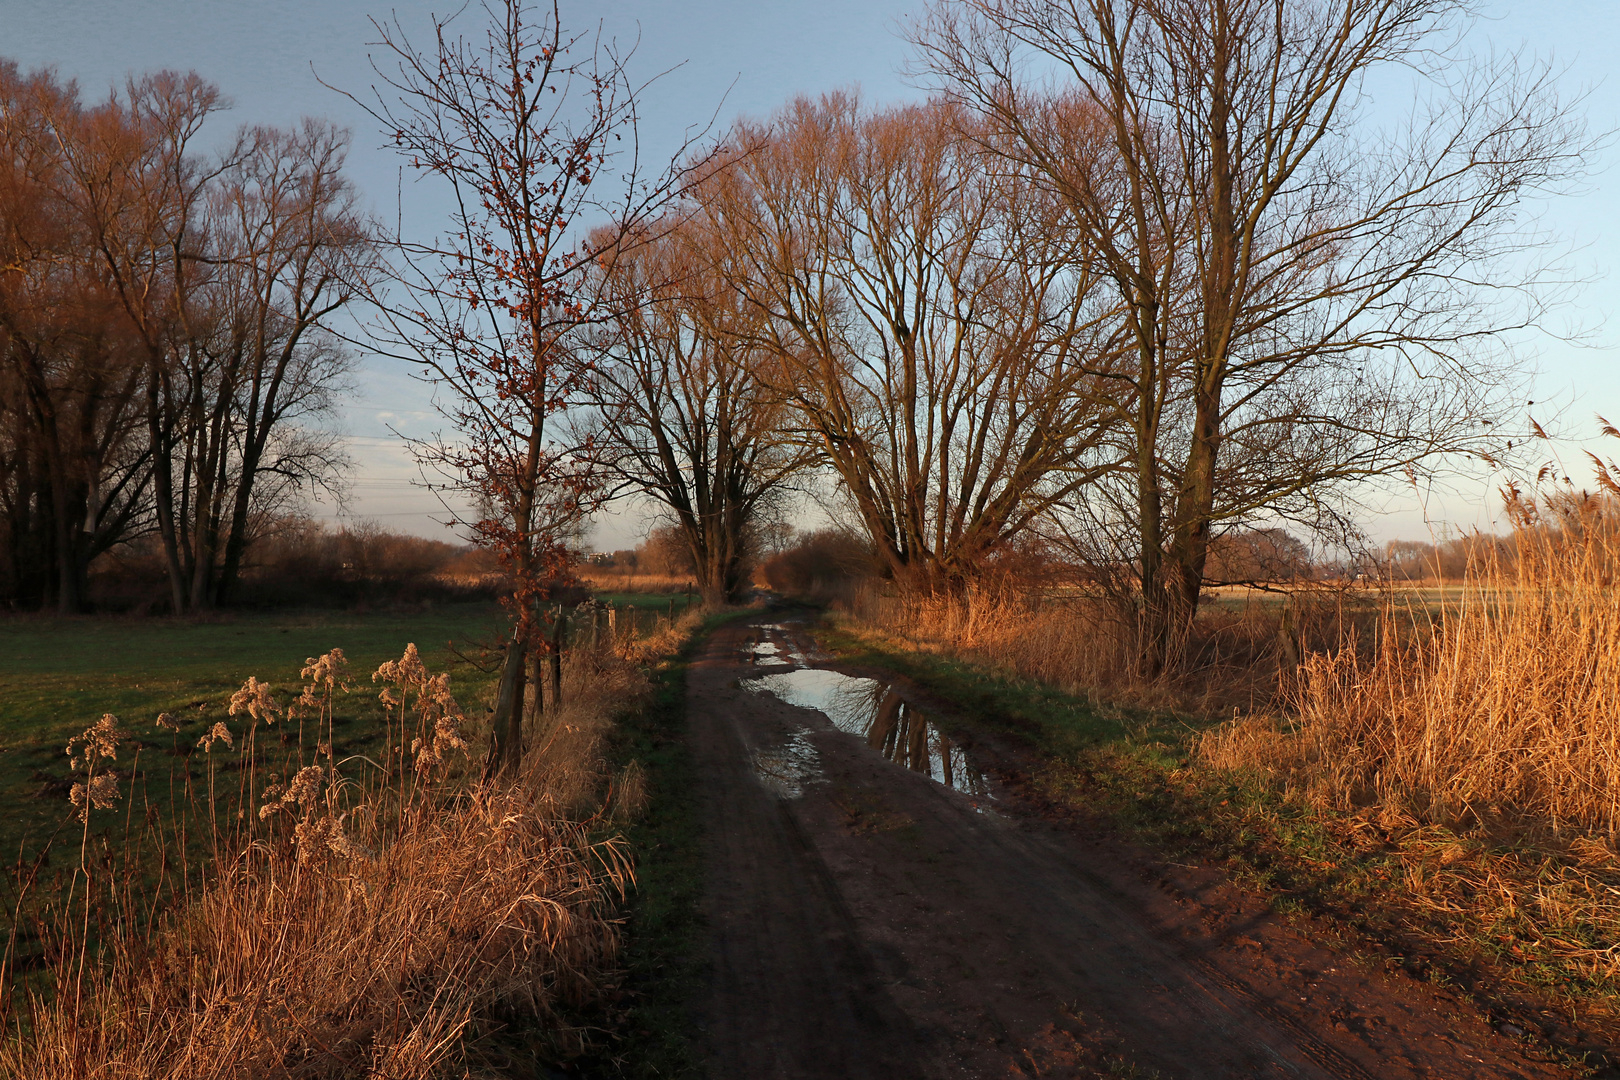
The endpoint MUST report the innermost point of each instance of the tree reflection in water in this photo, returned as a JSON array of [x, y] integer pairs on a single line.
[[881, 717]]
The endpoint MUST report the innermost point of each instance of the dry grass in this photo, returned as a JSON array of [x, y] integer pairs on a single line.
[[1075, 644], [380, 918], [1476, 749], [1505, 707], [607, 579], [1086, 645]]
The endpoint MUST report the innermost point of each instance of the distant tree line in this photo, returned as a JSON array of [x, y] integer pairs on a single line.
[[164, 357]]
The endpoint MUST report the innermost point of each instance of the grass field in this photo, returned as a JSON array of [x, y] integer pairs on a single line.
[[59, 676]]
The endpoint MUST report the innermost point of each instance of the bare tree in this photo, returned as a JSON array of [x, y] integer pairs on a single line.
[[1311, 299], [73, 460], [290, 249], [933, 324], [681, 413], [524, 125]]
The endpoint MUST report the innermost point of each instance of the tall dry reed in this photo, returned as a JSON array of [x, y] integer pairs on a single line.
[[1504, 703], [1086, 642]]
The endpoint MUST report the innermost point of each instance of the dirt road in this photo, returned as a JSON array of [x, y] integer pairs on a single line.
[[881, 906]]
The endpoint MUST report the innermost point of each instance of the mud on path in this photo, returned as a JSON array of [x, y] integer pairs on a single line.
[[879, 905]]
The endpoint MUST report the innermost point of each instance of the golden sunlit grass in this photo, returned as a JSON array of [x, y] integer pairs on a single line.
[[1504, 707], [1085, 644], [608, 579], [1475, 746], [378, 915]]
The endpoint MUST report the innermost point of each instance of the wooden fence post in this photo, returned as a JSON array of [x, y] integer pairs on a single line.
[[559, 635]]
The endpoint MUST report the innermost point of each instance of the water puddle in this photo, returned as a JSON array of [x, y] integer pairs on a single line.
[[765, 652], [876, 714], [787, 768]]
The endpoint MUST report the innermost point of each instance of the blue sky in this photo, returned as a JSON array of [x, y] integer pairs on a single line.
[[747, 58]]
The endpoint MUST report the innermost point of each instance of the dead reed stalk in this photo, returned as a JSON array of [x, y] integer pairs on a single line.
[[1505, 704]]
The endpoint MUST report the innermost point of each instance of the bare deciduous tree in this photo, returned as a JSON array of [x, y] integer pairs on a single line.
[[1312, 298], [150, 282], [525, 125], [681, 413], [73, 459], [933, 323]]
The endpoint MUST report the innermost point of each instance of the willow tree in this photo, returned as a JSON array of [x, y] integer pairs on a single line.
[[930, 318], [682, 408], [1312, 296]]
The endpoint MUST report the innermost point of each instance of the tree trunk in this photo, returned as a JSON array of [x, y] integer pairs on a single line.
[[506, 725]]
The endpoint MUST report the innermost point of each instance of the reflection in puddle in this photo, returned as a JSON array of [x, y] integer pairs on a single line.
[[785, 769], [878, 715], [769, 652]]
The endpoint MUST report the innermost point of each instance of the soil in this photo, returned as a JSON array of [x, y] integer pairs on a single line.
[[866, 920]]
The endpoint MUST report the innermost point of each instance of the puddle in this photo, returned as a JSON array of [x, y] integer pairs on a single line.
[[877, 715], [765, 653], [787, 768]]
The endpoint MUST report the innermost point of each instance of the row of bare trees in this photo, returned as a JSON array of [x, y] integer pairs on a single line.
[[161, 329], [1139, 273]]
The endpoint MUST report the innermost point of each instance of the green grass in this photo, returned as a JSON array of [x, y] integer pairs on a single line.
[[60, 675], [663, 942]]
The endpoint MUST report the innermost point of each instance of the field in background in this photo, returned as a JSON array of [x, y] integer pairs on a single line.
[[608, 579], [61, 675]]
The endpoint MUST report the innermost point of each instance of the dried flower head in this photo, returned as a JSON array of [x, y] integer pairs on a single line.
[[330, 670], [305, 788], [302, 792], [311, 836], [97, 741], [408, 670], [446, 740], [255, 699], [218, 733], [168, 721], [101, 793]]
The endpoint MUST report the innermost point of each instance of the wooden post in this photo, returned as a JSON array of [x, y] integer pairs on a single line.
[[613, 628], [559, 634], [505, 726]]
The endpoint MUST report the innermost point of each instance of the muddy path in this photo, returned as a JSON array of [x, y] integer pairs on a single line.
[[880, 905]]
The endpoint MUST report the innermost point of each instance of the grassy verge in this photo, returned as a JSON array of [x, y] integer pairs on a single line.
[[1504, 918], [662, 959]]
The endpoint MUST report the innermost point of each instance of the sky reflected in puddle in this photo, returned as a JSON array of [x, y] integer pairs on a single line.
[[766, 652], [877, 715], [787, 768]]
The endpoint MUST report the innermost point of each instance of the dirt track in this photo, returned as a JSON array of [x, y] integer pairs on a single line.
[[868, 921]]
